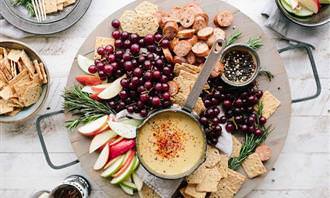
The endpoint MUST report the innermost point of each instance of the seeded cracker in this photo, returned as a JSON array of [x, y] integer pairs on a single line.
[[192, 191], [233, 181], [270, 104], [237, 145], [223, 165], [146, 7], [253, 166], [197, 176], [223, 192], [127, 21], [212, 157], [210, 181], [50, 6], [146, 24]]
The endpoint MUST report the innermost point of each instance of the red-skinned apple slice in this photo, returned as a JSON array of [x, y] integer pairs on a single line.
[[93, 128], [116, 141], [100, 140], [113, 90], [125, 164], [121, 147], [312, 5], [112, 161], [103, 158], [127, 172], [88, 80], [115, 165], [100, 88]]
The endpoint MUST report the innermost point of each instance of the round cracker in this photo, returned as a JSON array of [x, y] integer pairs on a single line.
[[145, 24], [146, 7], [127, 21]]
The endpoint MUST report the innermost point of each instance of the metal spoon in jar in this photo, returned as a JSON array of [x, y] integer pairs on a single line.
[[171, 143]]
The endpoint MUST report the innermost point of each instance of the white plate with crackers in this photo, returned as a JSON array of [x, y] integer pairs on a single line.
[[60, 15], [23, 82]]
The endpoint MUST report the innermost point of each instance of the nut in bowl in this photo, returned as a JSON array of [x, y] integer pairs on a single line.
[[241, 65], [23, 82]]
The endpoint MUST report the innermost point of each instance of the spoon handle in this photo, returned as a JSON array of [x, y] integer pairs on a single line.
[[209, 64]]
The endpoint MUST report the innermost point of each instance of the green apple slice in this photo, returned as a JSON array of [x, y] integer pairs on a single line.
[[137, 181], [114, 167], [127, 189], [132, 122], [84, 63], [126, 173], [300, 11], [129, 184]]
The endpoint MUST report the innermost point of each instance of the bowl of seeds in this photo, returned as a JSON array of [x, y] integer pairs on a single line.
[[241, 65]]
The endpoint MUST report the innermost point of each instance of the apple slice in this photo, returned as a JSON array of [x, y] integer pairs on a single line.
[[126, 173], [93, 128], [299, 11], [100, 140], [127, 189], [132, 122], [124, 130], [114, 160], [113, 167], [87, 89], [88, 80], [137, 181], [129, 184], [121, 147], [312, 5], [103, 158], [127, 161], [325, 1], [117, 140], [99, 88], [84, 63], [113, 90]]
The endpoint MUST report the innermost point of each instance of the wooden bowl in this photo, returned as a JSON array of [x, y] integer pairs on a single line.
[[27, 112]]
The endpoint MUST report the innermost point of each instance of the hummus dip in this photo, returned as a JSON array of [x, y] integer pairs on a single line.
[[170, 144]]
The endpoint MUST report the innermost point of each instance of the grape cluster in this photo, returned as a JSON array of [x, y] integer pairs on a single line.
[[238, 106], [147, 72]]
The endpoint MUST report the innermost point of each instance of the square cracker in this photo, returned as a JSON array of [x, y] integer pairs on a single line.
[[186, 67], [6, 92], [212, 157], [222, 192], [50, 6], [4, 107], [223, 165], [60, 6], [210, 181], [184, 194], [197, 176], [27, 62], [233, 181], [237, 145], [270, 104], [102, 42], [22, 76], [68, 2], [192, 191], [253, 166], [4, 71]]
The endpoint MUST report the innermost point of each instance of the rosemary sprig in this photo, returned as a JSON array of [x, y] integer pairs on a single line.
[[251, 142], [266, 73], [26, 3], [81, 105], [255, 42], [233, 38]]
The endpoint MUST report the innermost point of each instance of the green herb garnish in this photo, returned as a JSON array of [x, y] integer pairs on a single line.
[[251, 142], [255, 42], [233, 38], [25, 3], [81, 105]]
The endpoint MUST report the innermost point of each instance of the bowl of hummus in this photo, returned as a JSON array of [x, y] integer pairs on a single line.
[[171, 144]]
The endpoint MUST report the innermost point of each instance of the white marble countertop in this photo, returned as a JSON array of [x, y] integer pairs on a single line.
[[302, 170]]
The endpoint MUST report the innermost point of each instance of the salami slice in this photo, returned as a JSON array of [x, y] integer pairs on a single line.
[[182, 48], [205, 33], [201, 49], [170, 29], [186, 33], [168, 55], [264, 152], [224, 18]]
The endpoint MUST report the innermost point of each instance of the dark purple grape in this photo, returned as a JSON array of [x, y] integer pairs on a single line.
[[92, 69], [251, 120], [223, 119], [127, 56], [124, 82], [128, 66], [144, 98], [127, 44], [165, 87], [130, 109], [147, 75], [155, 101], [147, 64], [141, 59], [244, 128], [207, 103], [166, 96], [119, 54], [100, 66], [227, 104], [204, 121], [148, 85], [262, 120], [140, 89], [135, 81], [109, 49], [123, 94], [141, 42], [259, 94], [258, 132], [116, 34], [165, 43], [101, 51], [217, 95], [143, 113], [158, 86], [156, 74], [218, 129], [124, 35], [159, 63], [108, 69], [102, 75], [230, 127], [149, 39], [229, 114], [114, 66], [118, 43], [158, 37], [252, 129], [238, 103], [111, 58], [210, 113], [138, 72], [167, 103], [239, 119], [151, 48], [166, 70], [214, 101], [135, 48], [252, 100], [216, 120], [216, 110], [150, 56], [115, 23], [134, 38], [163, 79]]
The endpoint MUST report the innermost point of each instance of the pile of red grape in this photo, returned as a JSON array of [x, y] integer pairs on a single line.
[[147, 72], [238, 105]]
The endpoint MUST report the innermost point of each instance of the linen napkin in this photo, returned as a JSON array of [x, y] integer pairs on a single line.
[[163, 187], [8, 30]]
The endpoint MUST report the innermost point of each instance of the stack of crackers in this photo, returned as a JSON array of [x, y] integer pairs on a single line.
[[213, 177], [21, 80], [142, 20], [182, 84], [52, 6]]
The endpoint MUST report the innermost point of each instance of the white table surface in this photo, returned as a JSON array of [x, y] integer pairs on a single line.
[[302, 170]]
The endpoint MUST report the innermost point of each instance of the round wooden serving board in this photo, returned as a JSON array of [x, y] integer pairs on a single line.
[[270, 60]]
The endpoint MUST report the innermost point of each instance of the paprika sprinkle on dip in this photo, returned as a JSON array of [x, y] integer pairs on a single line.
[[170, 143]]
